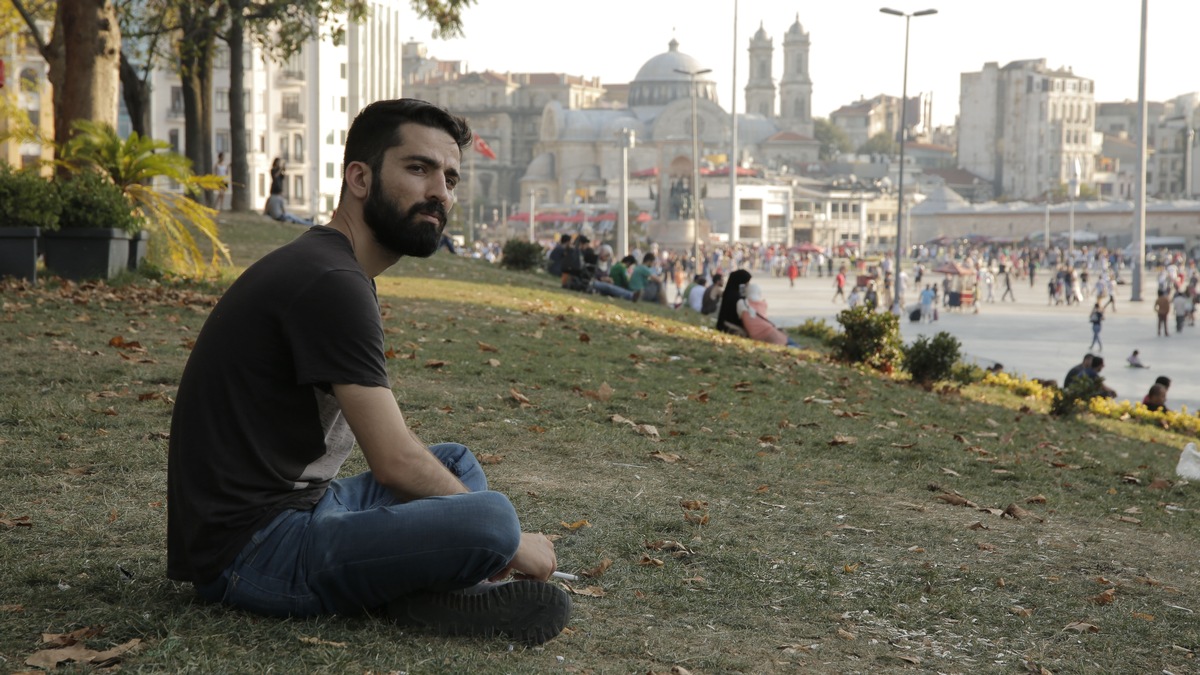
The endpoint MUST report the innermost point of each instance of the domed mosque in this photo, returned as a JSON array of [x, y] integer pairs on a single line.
[[578, 156]]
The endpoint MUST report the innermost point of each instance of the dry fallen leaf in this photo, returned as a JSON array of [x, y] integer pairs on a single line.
[[520, 398], [323, 643], [647, 430], [693, 504], [956, 500], [696, 519], [668, 457], [485, 347], [488, 458], [493, 363], [589, 591], [1082, 627], [1017, 513], [846, 635], [839, 439], [1020, 611], [850, 569], [1036, 499], [1104, 598], [647, 561], [950, 472], [49, 659], [598, 570], [575, 525], [435, 363]]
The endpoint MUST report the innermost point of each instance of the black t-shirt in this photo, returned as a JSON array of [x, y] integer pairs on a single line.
[[256, 429]]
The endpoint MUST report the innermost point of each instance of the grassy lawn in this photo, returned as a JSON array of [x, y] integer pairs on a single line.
[[763, 510]]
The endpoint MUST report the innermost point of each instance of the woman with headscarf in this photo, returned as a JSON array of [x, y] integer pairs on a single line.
[[728, 320]]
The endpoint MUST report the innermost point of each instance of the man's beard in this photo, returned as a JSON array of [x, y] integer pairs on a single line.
[[403, 233]]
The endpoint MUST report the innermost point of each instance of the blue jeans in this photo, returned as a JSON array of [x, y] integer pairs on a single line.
[[611, 290], [361, 547]]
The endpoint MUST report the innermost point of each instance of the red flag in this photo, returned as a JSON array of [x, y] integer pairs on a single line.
[[483, 148]]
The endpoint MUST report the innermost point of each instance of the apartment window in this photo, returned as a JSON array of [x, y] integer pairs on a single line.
[[329, 169], [290, 104], [223, 142], [221, 58], [246, 99], [343, 71], [343, 104], [342, 136], [262, 143], [283, 146], [329, 138], [173, 139], [221, 100], [298, 146], [177, 100], [262, 185], [328, 203], [298, 193]]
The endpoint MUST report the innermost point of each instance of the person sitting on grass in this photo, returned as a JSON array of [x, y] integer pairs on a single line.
[[288, 375], [728, 320], [752, 310], [276, 209], [646, 285], [1157, 399], [619, 272]]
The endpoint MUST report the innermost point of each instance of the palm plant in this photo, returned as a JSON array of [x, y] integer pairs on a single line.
[[133, 164]]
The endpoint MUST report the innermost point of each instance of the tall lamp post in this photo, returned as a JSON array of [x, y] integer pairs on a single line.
[[628, 139], [903, 133], [1072, 195], [692, 75]]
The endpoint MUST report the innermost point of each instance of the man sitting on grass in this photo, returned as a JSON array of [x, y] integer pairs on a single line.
[[288, 373]]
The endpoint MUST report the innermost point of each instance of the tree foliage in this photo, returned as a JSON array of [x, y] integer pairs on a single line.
[[832, 138], [881, 143]]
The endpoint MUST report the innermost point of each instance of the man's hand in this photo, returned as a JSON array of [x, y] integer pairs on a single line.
[[535, 558]]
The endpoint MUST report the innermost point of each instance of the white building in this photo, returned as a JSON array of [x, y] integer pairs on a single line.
[[1023, 126], [298, 110]]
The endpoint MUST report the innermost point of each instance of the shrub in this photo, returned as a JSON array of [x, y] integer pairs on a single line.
[[929, 360], [91, 200], [868, 337], [27, 200], [967, 373], [1068, 401], [816, 328], [519, 254]]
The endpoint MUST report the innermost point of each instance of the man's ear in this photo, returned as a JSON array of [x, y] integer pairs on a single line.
[[358, 179]]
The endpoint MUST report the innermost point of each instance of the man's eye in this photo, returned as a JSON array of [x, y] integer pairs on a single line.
[[451, 183]]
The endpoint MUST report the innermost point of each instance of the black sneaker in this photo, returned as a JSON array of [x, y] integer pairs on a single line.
[[531, 612]]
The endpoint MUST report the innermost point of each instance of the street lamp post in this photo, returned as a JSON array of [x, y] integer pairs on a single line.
[[903, 133], [1072, 195], [692, 75], [628, 139]]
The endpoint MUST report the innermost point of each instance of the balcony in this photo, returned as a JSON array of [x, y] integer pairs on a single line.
[[291, 119], [290, 77]]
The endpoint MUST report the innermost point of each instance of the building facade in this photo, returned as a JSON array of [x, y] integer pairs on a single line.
[[1025, 126], [27, 91]]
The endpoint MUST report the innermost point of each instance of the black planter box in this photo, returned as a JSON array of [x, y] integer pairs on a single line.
[[18, 252], [86, 253], [137, 248]]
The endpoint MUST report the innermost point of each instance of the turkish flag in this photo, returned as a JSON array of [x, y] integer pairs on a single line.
[[483, 148]]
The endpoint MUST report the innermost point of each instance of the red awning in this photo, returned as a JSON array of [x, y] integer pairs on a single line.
[[724, 171], [643, 217], [808, 247], [652, 172], [522, 216]]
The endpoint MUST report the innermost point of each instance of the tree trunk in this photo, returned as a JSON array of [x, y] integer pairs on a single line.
[[91, 49], [136, 94], [195, 49], [239, 168]]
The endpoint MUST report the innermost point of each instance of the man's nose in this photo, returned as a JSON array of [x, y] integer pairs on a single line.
[[439, 190]]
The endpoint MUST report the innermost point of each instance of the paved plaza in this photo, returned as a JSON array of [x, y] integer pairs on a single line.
[[1030, 337]]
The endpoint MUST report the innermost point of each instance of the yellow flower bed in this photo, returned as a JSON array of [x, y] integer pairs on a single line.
[[1178, 421]]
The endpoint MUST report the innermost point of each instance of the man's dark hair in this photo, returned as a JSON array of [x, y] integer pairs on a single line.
[[1097, 362], [376, 128], [629, 260], [1163, 380], [565, 239], [648, 258], [582, 240]]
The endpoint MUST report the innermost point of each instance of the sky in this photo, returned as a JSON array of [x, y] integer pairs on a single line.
[[857, 52]]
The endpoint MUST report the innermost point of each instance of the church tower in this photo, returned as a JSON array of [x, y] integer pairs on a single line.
[[760, 88], [795, 89]]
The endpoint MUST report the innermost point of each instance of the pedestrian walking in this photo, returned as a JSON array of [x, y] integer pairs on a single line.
[[1162, 307], [1097, 319], [1008, 291], [840, 284]]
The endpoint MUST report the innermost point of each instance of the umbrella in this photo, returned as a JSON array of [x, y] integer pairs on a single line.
[[951, 267], [644, 216]]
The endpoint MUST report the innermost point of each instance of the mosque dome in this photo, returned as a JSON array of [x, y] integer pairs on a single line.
[[797, 30], [659, 82]]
